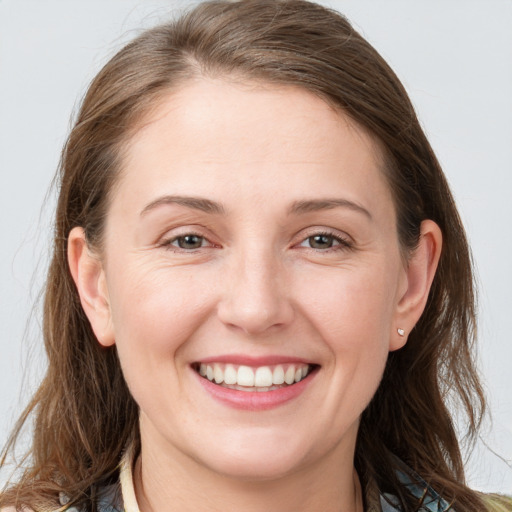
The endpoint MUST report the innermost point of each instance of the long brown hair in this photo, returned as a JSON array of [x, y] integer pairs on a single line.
[[84, 414]]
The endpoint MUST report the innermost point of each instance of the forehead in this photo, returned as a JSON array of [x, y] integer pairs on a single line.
[[214, 106], [216, 132]]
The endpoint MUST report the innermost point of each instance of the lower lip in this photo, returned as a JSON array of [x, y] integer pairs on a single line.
[[256, 400]]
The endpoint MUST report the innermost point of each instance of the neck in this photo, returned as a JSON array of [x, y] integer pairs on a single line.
[[172, 481]]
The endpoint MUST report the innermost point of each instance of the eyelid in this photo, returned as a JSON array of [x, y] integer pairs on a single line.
[[171, 235], [345, 241]]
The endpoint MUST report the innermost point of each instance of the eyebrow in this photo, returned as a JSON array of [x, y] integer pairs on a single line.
[[298, 207], [314, 205], [196, 203]]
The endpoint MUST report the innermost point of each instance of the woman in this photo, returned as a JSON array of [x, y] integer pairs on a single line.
[[261, 291]]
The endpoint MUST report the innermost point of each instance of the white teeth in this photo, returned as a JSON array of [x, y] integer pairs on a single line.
[[245, 376], [218, 374], [278, 375], [230, 374], [263, 377], [289, 376]]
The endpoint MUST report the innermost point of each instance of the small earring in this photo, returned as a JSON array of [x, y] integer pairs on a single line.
[[401, 332]]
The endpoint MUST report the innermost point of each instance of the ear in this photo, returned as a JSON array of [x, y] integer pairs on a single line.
[[419, 274], [89, 276]]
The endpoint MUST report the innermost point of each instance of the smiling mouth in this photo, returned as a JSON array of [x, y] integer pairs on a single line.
[[254, 379]]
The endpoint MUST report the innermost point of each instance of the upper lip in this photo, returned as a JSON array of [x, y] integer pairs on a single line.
[[239, 359]]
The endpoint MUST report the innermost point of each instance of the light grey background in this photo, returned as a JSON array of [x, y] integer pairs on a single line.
[[454, 57]]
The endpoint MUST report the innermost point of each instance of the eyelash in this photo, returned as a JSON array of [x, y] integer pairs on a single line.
[[342, 243], [168, 243]]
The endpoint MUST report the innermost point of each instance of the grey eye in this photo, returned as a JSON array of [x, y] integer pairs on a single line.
[[321, 241], [189, 242]]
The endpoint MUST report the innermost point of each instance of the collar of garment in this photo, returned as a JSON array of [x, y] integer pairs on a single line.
[[121, 497]]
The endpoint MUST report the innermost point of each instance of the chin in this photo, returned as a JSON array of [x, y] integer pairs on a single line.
[[256, 459], [258, 469]]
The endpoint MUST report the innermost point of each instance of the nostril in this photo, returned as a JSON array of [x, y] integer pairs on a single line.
[[255, 318]]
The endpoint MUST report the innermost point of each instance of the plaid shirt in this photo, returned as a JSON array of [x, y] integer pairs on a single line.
[[121, 497]]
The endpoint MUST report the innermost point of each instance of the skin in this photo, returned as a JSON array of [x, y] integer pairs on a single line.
[[257, 286]]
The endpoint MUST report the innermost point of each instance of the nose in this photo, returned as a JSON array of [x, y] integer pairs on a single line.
[[255, 296]]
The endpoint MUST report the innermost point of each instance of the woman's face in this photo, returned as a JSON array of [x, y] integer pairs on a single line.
[[252, 237]]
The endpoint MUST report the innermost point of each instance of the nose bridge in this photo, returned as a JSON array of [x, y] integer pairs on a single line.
[[255, 297]]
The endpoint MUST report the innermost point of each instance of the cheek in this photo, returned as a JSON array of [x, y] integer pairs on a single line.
[[352, 312], [155, 311], [350, 306]]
